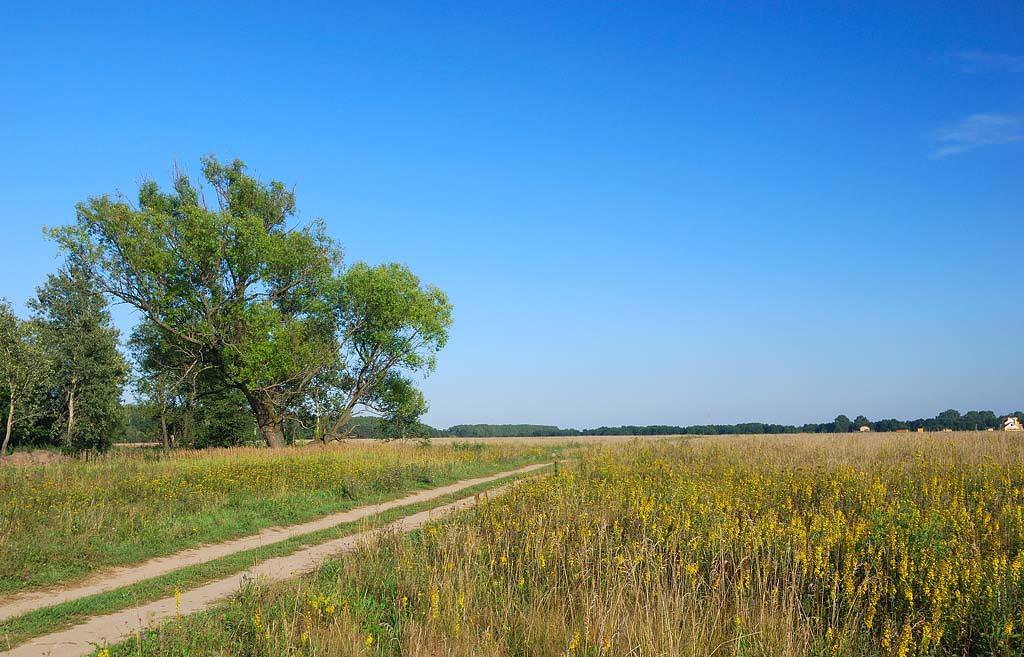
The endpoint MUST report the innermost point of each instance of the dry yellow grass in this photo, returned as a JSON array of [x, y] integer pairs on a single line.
[[768, 545]]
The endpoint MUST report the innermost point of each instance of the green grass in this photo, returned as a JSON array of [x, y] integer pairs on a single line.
[[63, 522], [17, 630]]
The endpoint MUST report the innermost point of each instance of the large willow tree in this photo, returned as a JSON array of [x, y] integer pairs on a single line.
[[267, 308]]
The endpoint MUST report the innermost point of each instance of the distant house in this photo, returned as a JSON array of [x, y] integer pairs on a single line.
[[920, 429], [864, 428], [1012, 423]]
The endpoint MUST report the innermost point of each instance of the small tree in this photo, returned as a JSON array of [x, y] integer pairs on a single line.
[[89, 372], [388, 323], [400, 406], [842, 424], [24, 371]]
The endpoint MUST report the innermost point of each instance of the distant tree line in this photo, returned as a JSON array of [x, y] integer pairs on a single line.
[[950, 419]]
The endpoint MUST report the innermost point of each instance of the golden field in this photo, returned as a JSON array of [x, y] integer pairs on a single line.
[[875, 544]]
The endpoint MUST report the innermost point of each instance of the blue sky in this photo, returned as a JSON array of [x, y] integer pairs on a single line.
[[643, 213]]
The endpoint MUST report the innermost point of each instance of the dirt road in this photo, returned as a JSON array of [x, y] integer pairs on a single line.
[[82, 639], [109, 580]]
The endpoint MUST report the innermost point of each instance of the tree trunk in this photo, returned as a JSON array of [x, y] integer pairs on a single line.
[[10, 426], [340, 422], [190, 409], [318, 428], [162, 400], [273, 433], [71, 412], [186, 427], [163, 427], [269, 420]]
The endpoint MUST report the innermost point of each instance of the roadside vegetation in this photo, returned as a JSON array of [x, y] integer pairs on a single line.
[[19, 629], [866, 545], [62, 521]]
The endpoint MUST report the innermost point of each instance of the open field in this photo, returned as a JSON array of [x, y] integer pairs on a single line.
[[777, 545], [61, 522]]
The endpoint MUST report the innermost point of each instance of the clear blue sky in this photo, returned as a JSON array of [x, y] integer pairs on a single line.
[[643, 213]]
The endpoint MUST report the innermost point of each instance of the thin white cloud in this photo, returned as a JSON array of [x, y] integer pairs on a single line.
[[978, 130], [977, 61]]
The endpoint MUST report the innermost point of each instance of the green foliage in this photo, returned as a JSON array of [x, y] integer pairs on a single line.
[[185, 404], [375, 427], [237, 296], [88, 371], [388, 323], [25, 372], [401, 407], [233, 289], [388, 317], [221, 420], [139, 423]]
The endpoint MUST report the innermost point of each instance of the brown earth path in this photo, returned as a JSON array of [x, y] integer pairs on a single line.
[[83, 639], [108, 580]]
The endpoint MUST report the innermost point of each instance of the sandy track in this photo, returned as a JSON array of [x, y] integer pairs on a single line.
[[109, 580], [82, 639]]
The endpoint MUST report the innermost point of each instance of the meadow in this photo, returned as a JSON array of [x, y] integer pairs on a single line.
[[63, 521], [878, 545]]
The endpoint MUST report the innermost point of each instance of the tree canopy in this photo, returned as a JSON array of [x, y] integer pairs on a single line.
[[241, 297], [61, 372], [87, 370], [24, 372]]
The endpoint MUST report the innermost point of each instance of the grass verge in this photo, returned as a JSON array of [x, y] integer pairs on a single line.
[[61, 523], [17, 630]]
